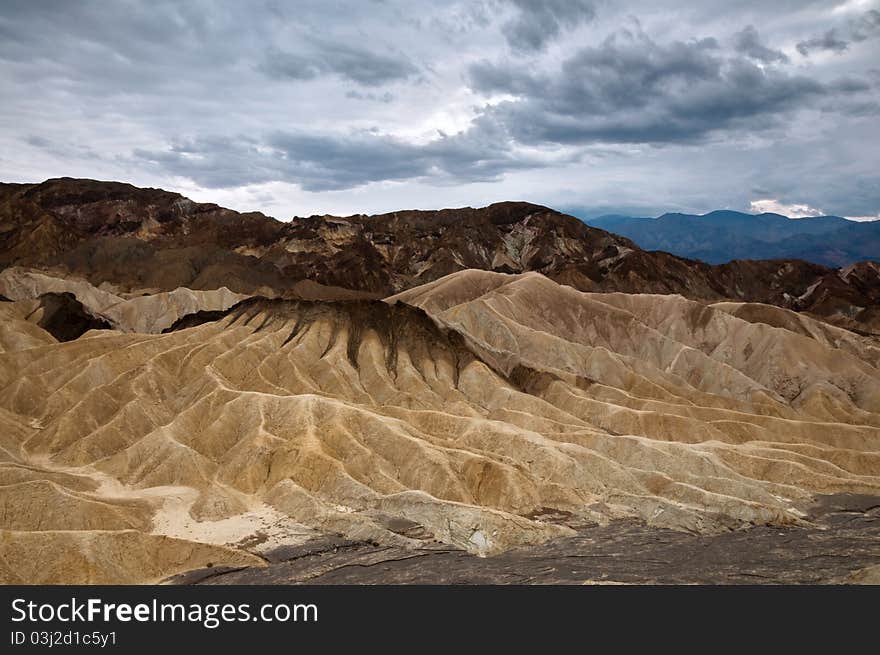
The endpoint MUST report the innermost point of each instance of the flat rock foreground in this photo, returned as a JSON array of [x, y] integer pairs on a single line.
[[842, 548], [482, 427]]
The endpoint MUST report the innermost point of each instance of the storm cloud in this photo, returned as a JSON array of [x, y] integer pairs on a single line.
[[308, 106], [838, 39], [322, 162], [349, 62], [631, 89], [748, 43], [539, 22]]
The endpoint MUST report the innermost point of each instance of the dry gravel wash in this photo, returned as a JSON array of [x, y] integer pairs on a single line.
[[844, 547]]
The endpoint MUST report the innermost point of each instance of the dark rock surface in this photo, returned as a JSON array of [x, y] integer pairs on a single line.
[[845, 538]]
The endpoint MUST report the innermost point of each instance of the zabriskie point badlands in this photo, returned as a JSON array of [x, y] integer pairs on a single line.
[[490, 292], [501, 394]]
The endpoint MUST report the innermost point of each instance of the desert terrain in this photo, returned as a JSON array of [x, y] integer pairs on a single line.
[[190, 394]]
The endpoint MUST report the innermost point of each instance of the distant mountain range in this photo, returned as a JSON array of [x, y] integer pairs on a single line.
[[721, 236]]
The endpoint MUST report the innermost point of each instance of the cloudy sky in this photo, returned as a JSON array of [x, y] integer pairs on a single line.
[[295, 108]]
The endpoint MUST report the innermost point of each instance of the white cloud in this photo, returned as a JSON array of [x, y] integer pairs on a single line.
[[773, 206], [864, 219]]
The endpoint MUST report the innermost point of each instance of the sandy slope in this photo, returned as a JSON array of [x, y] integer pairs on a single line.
[[466, 407]]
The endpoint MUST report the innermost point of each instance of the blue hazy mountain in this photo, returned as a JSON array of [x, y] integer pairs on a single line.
[[720, 236]]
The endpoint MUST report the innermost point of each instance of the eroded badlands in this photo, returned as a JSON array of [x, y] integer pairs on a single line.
[[483, 410]]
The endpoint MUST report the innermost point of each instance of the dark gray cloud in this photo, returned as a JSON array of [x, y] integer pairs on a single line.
[[540, 21], [131, 46], [866, 26], [631, 89], [748, 43], [321, 162], [385, 97], [830, 41], [62, 149], [838, 40], [349, 62]]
